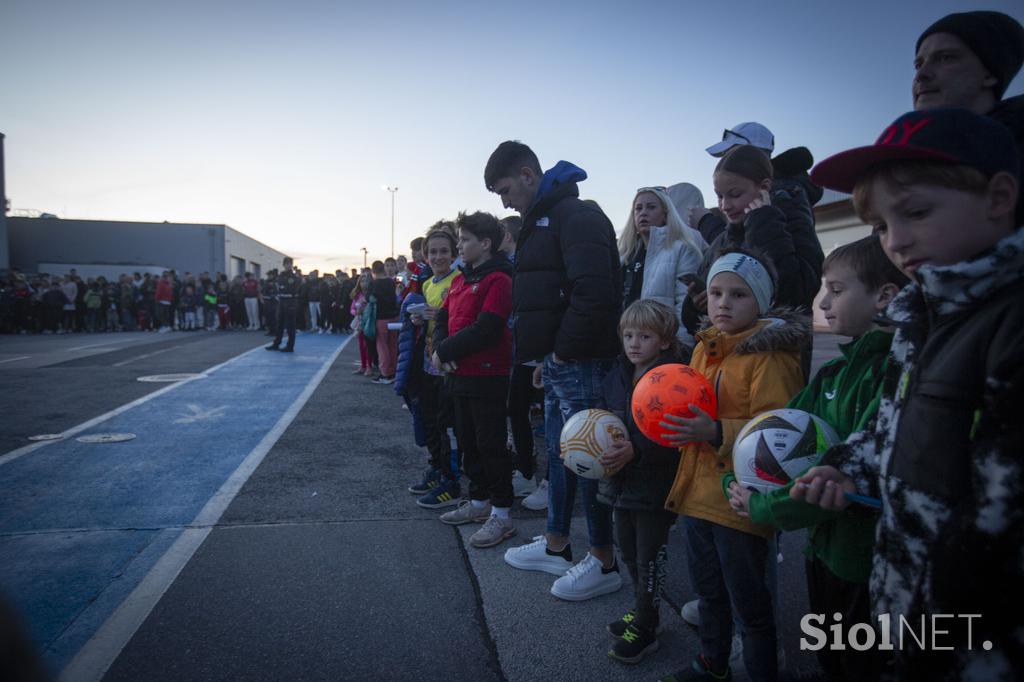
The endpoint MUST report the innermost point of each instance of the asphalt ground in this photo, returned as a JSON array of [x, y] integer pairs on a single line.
[[321, 567]]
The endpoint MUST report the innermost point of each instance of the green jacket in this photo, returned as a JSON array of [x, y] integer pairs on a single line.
[[93, 300], [845, 393]]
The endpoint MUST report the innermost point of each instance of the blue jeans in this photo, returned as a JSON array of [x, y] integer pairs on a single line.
[[728, 566], [569, 388]]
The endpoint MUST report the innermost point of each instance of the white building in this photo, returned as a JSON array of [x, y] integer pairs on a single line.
[[836, 224]]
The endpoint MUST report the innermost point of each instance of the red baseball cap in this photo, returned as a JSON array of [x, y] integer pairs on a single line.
[[955, 136]]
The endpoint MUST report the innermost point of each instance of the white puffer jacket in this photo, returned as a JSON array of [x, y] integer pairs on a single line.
[[664, 264]]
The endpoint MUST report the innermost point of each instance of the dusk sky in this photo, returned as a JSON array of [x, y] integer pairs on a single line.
[[283, 120]]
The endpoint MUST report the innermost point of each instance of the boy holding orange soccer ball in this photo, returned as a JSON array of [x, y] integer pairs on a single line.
[[638, 475]]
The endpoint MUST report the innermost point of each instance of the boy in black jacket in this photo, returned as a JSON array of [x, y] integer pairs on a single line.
[[639, 476]]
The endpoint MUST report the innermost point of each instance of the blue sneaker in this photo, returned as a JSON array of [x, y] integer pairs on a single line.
[[431, 479], [445, 494]]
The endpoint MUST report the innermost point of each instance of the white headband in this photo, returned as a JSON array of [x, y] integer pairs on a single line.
[[750, 271]]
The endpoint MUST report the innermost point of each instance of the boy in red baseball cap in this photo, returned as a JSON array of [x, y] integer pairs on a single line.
[[944, 454]]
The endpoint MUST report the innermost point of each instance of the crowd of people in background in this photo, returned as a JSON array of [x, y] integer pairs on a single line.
[[42, 303]]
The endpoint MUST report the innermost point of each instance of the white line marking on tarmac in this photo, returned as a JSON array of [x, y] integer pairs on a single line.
[[23, 357], [144, 355], [22, 451], [97, 345], [97, 655]]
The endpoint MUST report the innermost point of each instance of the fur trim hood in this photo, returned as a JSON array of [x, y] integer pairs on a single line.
[[781, 329]]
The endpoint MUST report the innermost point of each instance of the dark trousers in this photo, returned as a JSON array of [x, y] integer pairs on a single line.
[[642, 536], [287, 310], [728, 569], [482, 435], [521, 394], [270, 311], [436, 416], [827, 593]]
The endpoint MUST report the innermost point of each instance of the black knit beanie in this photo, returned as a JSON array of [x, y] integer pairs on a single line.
[[996, 38]]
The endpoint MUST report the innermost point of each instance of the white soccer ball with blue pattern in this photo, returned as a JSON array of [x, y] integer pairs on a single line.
[[777, 446]]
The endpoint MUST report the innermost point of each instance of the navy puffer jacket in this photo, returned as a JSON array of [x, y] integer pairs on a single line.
[[410, 350]]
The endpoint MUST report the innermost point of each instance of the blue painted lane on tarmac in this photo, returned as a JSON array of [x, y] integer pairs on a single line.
[[76, 517]]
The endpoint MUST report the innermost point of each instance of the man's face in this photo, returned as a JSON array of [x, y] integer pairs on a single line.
[[517, 192], [949, 74]]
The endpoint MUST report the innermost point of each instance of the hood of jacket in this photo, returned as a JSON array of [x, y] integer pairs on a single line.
[[1010, 112], [563, 176], [495, 264], [792, 166], [780, 329]]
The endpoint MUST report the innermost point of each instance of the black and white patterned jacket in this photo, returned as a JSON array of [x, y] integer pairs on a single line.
[[946, 456]]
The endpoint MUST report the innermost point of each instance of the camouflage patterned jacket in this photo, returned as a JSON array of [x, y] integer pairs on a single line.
[[946, 456]]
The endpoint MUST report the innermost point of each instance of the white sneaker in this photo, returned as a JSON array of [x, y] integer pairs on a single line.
[[586, 580], [538, 499], [691, 612], [522, 486], [535, 557]]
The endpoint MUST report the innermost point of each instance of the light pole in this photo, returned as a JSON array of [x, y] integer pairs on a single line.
[[393, 190], [364, 255]]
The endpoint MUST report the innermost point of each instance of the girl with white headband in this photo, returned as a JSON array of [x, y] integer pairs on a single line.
[[751, 356]]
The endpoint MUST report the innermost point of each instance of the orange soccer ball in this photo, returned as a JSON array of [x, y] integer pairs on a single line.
[[670, 389]]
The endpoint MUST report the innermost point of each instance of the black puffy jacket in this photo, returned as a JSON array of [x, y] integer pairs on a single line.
[[784, 232], [644, 482], [567, 287]]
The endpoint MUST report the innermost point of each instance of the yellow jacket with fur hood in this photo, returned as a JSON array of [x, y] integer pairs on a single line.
[[752, 372]]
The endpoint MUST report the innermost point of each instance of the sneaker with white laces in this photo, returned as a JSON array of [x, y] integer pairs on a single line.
[[466, 513], [494, 532], [691, 612], [586, 580], [522, 486], [536, 556], [538, 499]]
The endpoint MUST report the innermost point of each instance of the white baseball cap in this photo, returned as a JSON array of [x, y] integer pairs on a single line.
[[751, 133]]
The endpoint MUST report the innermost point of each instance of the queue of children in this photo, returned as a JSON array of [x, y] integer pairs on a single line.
[[916, 512], [942, 273]]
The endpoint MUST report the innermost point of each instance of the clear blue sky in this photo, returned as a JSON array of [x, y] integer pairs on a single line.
[[283, 120]]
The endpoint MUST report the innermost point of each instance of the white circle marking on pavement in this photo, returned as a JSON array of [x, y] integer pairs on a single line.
[[106, 438]]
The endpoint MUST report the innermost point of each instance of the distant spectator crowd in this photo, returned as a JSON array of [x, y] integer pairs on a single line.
[[43, 303]]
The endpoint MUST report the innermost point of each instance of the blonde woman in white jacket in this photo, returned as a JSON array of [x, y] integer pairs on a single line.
[[657, 248]]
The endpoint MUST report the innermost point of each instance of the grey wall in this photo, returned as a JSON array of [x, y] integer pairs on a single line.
[[183, 247]]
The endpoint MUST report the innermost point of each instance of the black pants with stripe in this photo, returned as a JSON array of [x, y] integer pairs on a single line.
[[642, 536]]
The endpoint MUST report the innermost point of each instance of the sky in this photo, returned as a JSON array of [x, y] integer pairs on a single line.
[[285, 120]]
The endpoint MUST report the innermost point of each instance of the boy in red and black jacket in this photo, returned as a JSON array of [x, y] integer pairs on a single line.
[[473, 346]]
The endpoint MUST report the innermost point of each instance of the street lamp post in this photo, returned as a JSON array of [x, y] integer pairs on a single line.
[[364, 255], [393, 191]]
